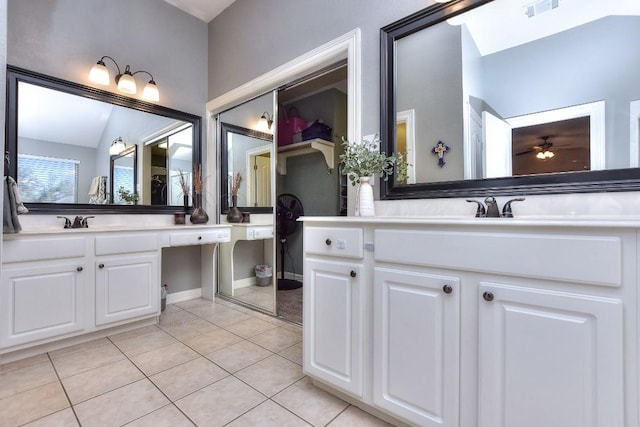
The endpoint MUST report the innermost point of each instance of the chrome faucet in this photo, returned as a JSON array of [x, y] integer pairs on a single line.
[[78, 222], [492, 210]]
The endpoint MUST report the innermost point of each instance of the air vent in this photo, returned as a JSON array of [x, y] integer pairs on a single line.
[[539, 7]]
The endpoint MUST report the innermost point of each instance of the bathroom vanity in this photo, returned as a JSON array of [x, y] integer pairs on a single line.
[[58, 284], [475, 322]]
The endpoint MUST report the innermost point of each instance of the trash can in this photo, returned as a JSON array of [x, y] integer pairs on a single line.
[[264, 273], [163, 297]]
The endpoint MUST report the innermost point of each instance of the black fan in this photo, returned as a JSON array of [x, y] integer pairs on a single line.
[[288, 210]]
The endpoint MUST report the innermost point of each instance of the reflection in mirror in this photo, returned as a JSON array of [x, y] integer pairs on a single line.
[[504, 90], [249, 154], [61, 136], [123, 177]]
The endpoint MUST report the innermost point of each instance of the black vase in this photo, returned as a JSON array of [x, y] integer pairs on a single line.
[[199, 215], [234, 214], [185, 199]]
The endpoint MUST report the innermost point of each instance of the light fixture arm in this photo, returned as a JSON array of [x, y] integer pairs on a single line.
[[143, 71], [101, 62]]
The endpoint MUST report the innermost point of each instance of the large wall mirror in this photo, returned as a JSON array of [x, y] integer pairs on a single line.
[[71, 147], [525, 98]]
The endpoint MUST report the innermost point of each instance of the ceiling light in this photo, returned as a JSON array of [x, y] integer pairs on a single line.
[[124, 80]]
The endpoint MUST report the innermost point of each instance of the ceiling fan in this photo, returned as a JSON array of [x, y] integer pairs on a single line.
[[543, 151]]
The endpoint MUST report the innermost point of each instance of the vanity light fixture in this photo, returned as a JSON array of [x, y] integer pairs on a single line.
[[126, 83], [117, 146], [265, 122]]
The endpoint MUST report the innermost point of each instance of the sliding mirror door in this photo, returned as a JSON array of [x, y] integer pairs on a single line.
[[247, 176]]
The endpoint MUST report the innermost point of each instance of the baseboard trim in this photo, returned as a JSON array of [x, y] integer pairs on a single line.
[[184, 295]]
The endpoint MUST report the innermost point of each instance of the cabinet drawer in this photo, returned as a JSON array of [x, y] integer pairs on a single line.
[[573, 258], [38, 249], [259, 233], [340, 242], [198, 237], [126, 243]]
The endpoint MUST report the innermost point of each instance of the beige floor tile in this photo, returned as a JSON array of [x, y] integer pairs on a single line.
[[176, 318], [26, 378], [220, 403], [120, 406], [190, 329], [97, 381], [314, 405], [66, 351], [271, 375], [227, 318], [33, 404], [292, 327], [192, 303], [214, 340], [183, 379], [356, 417], [277, 339], [266, 414], [134, 333], [269, 319], [146, 342], [293, 353], [23, 363], [238, 356], [167, 416], [64, 418], [250, 327], [86, 360], [163, 358], [206, 311], [170, 308]]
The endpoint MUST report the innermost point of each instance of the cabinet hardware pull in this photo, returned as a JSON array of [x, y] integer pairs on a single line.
[[199, 237], [79, 269], [100, 265], [488, 296], [328, 242], [447, 289], [352, 274]]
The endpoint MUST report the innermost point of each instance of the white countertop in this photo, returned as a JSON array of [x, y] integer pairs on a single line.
[[113, 228], [546, 221]]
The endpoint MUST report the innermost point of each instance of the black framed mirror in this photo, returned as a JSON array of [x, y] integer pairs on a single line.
[[561, 82], [248, 152], [123, 178], [60, 137]]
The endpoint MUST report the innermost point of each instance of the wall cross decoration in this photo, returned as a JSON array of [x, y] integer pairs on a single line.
[[440, 149]]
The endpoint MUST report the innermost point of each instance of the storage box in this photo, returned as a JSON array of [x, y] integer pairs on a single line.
[[317, 130], [290, 126]]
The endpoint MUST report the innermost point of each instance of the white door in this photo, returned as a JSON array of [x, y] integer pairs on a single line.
[[126, 287], [333, 322], [416, 334], [497, 146], [549, 359], [41, 302]]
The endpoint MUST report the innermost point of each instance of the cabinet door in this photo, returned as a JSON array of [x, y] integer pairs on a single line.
[[416, 334], [549, 359], [333, 322], [126, 287], [41, 302]]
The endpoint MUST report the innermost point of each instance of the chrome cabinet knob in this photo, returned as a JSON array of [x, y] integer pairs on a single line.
[[328, 242], [447, 289], [79, 269], [352, 274], [100, 265]]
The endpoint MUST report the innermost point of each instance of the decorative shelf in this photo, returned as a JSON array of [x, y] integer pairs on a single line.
[[305, 147]]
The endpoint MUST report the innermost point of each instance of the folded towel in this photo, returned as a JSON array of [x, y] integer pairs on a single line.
[[10, 222], [13, 185], [95, 185]]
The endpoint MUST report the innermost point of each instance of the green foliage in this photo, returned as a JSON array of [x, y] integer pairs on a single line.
[[364, 159], [127, 196]]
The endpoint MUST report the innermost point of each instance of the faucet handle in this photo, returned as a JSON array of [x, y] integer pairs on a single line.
[[67, 221], [85, 223], [506, 209], [480, 212]]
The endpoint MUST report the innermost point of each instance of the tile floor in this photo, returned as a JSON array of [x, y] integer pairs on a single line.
[[205, 363]]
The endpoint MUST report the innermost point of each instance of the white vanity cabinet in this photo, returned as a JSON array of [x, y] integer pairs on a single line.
[[334, 277], [43, 290], [127, 276], [491, 324]]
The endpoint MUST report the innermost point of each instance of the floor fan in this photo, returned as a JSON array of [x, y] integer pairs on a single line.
[[288, 210]]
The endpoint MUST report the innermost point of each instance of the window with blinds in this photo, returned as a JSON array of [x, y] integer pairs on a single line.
[[47, 179]]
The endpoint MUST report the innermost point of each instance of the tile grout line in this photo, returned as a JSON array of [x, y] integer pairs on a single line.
[[64, 389]]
